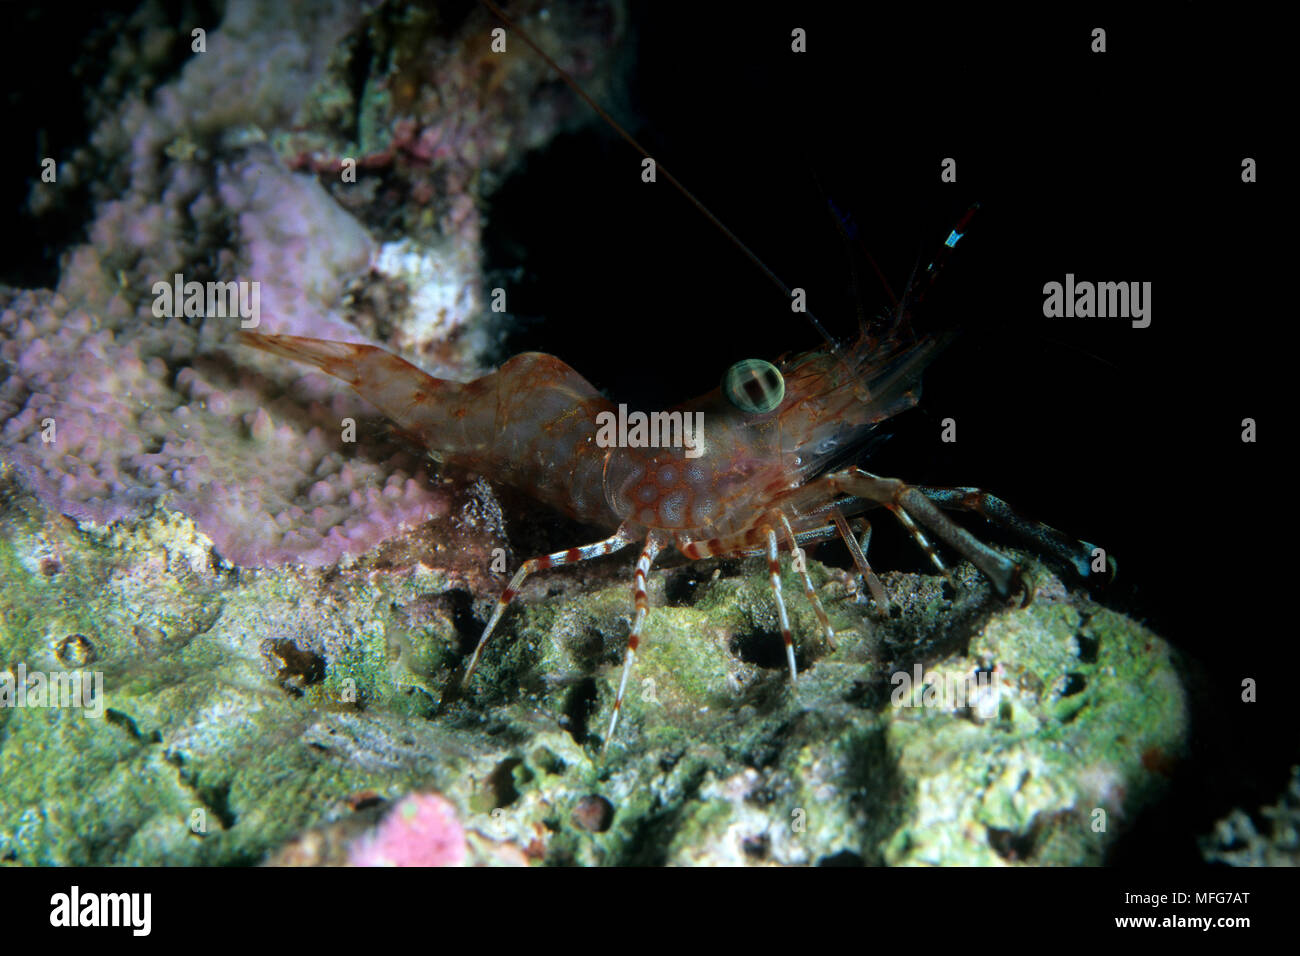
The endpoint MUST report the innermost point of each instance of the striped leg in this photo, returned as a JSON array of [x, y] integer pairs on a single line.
[[616, 542], [652, 547], [860, 559], [801, 565], [894, 494], [774, 571], [1078, 554], [921, 540]]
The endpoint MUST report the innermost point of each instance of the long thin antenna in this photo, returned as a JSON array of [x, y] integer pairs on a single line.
[[631, 140]]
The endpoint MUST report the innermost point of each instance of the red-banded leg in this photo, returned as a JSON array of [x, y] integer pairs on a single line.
[[859, 552], [900, 497], [653, 545], [615, 542], [774, 575], [800, 562], [919, 537]]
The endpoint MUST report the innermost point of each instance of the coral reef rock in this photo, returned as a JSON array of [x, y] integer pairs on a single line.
[[276, 715]]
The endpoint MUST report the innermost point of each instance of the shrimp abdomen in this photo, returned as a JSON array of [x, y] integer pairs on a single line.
[[530, 424]]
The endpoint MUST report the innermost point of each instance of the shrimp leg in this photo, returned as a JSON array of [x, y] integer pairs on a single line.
[[1078, 554], [802, 568], [903, 499], [713, 547], [860, 559], [905, 519], [653, 545], [616, 542], [774, 574]]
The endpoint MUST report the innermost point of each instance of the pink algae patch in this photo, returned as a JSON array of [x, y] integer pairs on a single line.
[[421, 830]]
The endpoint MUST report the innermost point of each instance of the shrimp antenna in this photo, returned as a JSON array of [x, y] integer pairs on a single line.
[[631, 140], [848, 231]]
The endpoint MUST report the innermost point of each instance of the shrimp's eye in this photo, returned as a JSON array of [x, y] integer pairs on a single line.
[[754, 386]]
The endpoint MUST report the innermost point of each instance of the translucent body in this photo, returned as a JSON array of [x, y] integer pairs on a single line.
[[753, 482], [533, 424]]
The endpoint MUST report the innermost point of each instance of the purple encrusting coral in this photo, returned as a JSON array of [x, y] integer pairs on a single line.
[[108, 409], [145, 410]]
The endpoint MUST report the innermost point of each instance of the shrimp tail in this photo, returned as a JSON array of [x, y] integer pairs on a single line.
[[525, 424], [409, 397]]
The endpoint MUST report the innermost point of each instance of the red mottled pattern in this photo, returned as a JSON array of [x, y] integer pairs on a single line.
[[532, 424]]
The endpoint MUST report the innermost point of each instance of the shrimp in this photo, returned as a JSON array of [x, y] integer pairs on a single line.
[[765, 476], [756, 484]]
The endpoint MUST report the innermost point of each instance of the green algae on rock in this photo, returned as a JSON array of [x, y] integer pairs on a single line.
[[245, 712]]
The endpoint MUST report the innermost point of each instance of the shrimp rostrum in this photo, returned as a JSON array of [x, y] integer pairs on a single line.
[[755, 480]]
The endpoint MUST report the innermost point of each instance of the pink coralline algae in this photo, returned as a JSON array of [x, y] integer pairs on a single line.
[[110, 407], [107, 412], [421, 830]]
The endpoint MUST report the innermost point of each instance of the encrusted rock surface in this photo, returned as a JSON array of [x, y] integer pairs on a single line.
[[244, 711]]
